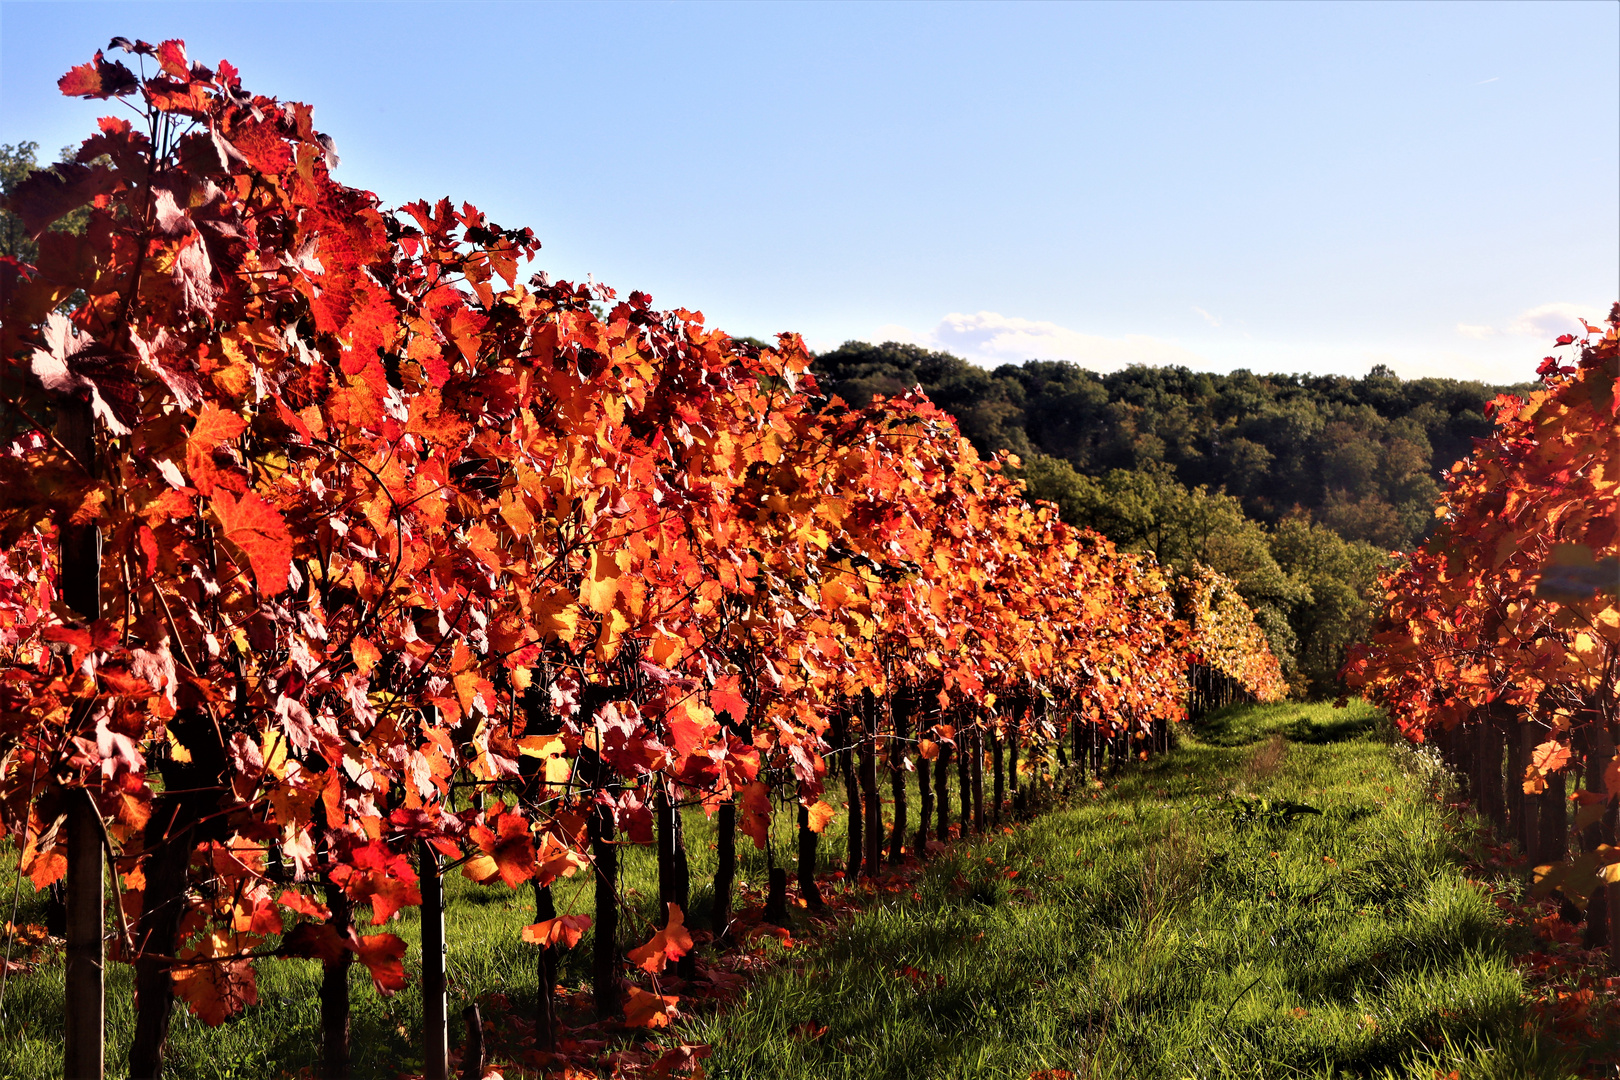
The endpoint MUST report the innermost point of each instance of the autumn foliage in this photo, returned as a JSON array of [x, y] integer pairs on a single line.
[[1228, 639], [1509, 615], [384, 524]]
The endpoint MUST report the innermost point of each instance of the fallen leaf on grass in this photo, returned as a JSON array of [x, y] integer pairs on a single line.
[[680, 1058], [648, 1010]]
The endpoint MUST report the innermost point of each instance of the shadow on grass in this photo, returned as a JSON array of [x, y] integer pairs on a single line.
[[1318, 724], [1317, 732]]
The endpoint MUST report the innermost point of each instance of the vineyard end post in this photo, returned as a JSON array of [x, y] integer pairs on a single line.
[[435, 1022], [84, 1055], [85, 989]]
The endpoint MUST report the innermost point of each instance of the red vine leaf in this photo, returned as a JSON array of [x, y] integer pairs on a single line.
[[670, 943], [259, 530]]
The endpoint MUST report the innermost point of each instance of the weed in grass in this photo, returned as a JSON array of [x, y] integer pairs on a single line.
[[1264, 761]]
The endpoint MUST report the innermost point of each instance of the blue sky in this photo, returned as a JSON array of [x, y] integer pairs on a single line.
[[1280, 187]]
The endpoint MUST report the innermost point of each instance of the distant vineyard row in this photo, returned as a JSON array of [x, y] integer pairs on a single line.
[[1500, 638]]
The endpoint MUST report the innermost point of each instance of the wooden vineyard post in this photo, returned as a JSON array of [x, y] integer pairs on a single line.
[[664, 824], [1610, 833], [942, 785], [1530, 816], [809, 892], [472, 1051], [873, 810], [1496, 808], [925, 802], [964, 781], [1076, 749], [686, 966], [999, 792], [978, 779], [85, 1052], [1554, 840], [1046, 715], [674, 881], [1599, 752], [1464, 743], [725, 870], [191, 794], [683, 868], [775, 892], [1450, 748], [1012, 757], [900, 704], [435, 1022], [335, 993], [605, 954], [852, 797], [539, 720], [1612, 891], [85, 999], [545, 1021], [1473, 731], [1485, 781]]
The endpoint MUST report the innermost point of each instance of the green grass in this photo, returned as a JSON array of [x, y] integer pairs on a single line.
[[1150, 931], [1185, 923]]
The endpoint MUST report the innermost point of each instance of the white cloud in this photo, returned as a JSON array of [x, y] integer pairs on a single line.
[[1212, 320], [1551, 320], [990, 338], [1543, 321]]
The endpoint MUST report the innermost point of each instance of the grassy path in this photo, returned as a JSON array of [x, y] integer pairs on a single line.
[[1278, 898]]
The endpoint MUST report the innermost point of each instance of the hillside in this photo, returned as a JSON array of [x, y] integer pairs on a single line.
[[1297, 486], [1360, 455]]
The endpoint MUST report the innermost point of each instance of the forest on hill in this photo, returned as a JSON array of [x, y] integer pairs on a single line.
[[1298, 486]]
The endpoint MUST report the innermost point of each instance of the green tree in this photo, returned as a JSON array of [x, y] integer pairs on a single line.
[[1150, 510], [17, 162], [1361, 455], [1340, 575], [1308, 586]]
